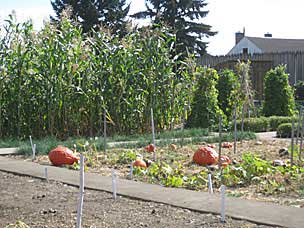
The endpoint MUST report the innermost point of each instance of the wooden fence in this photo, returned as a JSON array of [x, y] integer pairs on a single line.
[[260, 64]]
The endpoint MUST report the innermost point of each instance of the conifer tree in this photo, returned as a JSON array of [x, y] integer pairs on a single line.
[[94, 13], [184, 18]]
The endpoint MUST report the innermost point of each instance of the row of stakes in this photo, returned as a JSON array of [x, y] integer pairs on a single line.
[[114, 182], [114, 190]]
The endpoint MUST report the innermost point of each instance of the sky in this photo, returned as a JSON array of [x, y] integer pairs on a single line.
[[281, 18]]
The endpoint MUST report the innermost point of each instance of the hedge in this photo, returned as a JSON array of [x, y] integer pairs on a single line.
[[284, 130], [262, 124]]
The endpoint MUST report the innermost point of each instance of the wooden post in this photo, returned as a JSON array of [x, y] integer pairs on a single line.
[[183, 125], [299, 124], [301, 139], [81, 192], [153, 136], [131, 170], [220, 146], [105, 130], [223, 199], [243, 117], [292, 142], [235, 130]]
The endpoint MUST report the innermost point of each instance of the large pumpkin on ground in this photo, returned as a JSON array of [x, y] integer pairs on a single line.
[[205, 156], [62, 156]]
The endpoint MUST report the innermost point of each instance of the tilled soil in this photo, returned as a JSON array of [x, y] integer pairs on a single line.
[[42, 204]]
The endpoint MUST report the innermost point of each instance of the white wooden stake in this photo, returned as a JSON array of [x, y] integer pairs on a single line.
[[210, 184], [131, 170], [34, 152], [46, 176], [81, 192], [32, 146], [114, 189], [223, 198], [153, 135]]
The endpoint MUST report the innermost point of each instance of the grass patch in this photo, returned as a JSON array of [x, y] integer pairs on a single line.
[[81, 144], [186, 133]]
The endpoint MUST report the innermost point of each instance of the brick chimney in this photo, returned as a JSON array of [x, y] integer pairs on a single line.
[[268, 35], [239, 36]]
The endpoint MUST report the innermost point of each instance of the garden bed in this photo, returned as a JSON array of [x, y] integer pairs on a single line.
[[253, 176], [40, 204]]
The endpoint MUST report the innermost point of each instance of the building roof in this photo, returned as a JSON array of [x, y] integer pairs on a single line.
[[269, 45]]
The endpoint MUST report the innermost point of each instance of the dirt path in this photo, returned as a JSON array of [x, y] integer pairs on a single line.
[[41, 204]]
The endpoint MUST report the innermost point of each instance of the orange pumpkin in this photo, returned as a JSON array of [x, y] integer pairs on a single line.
[[62, 156], [205, 156], [225, 160], [227, 145], [150, 148], [140, 163]]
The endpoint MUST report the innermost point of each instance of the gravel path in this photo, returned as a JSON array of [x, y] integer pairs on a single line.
[[41, 204]]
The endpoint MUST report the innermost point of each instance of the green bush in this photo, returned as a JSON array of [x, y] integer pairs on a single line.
[[284, 130], [260, 124], [299, 90], [276, 121], [279, 100], [228, 86], [205, 109]]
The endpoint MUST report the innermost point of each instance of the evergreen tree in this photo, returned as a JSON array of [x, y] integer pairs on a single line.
[[93, 13], [183, 17]]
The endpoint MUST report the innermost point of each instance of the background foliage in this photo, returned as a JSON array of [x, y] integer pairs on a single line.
[[59, 82], [279, 99], [205, 110]]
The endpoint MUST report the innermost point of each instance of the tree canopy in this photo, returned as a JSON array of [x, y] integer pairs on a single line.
[[93, 13], [184, 18]]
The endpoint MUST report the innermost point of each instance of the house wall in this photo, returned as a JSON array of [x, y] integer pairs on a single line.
[[244, 43]]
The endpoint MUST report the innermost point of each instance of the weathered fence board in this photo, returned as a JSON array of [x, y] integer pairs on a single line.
[[260, 64]]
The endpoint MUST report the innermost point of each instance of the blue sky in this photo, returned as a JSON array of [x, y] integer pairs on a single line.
[[280, 17]]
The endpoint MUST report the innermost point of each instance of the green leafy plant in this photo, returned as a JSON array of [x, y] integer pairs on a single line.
[[228, 86], [205, 109], [279, 98], [126, 157], [284, 130]]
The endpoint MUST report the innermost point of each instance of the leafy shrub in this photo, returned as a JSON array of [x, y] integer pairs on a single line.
[[299, 90], [284, 130], [254, 124], [276, 121], [126, 157], [205, 109], [279, 98], [228, 86]]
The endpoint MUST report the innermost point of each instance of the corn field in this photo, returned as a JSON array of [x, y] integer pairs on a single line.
[[58, 81]]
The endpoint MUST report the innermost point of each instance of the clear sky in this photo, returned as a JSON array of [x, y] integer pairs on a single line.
[[280, 17]]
